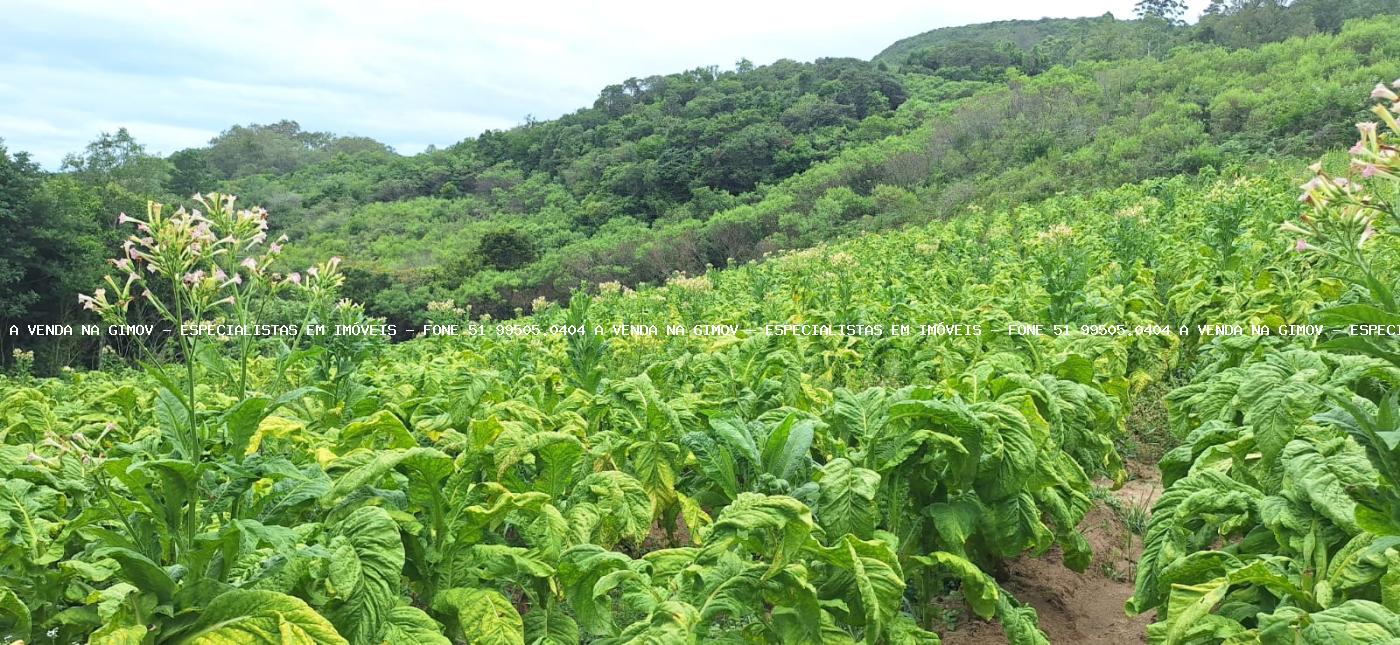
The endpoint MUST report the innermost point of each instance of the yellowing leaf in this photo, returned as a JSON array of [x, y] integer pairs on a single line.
[[281, 427]]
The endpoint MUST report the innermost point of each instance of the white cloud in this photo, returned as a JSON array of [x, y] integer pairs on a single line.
[[176, 73]]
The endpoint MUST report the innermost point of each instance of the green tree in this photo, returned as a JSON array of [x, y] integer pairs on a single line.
[[1169, 10], [120, 160], [506, 248], [19, 177]]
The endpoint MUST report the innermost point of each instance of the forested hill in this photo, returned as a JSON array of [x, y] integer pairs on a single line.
[[701, 168], [1031, 43], [1009, 40]]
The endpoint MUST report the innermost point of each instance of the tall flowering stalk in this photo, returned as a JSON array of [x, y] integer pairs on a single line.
[[320, 287], [1346, 215], [1063, 279], [1346, 212], [209, 264]]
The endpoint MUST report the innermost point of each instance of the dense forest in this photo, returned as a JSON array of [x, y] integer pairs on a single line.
[[1070, 330]]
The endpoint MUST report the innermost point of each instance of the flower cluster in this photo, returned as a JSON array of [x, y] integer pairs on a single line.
[[1345, 210], [1134, 212], [697, 283], [446, 312], [1055, 233], [200, 260], [201, 255], [23, 362], [841, 259], [612, 287], [322, 282], [445, 307]]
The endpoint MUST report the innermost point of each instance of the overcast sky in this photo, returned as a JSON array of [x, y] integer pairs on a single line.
[[407, 72]]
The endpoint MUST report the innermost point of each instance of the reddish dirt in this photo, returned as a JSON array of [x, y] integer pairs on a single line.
[[1080, 607]]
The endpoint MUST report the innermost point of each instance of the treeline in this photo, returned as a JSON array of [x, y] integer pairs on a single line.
[[679, 172], [986, 51]]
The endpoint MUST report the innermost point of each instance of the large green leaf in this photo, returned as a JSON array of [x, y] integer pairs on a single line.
[[652, 461], [15, 619], [785, 451], [979, 589], [859, 416], [29, 517], [1020, 622], [580, 570], [369, 472], [483, 616], [1354, 622], [366, 563], [733, 433], [871, 583], [1361, 561], [715, 462], [847, 499], [407, 625], [1204, 498], [1326, 472], [261, 617], [1279, 395], [608, 507], [550, 625], [1188, 604], [380, 430], [670, 623], [556, 454], [774, 525], [142, 572]]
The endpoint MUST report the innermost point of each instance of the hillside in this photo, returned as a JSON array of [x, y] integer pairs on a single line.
[[1047, 42], [1023, 35], [680, 172], [844, 352]]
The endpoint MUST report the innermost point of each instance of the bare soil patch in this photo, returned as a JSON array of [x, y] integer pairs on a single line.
[[1082, 607]]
